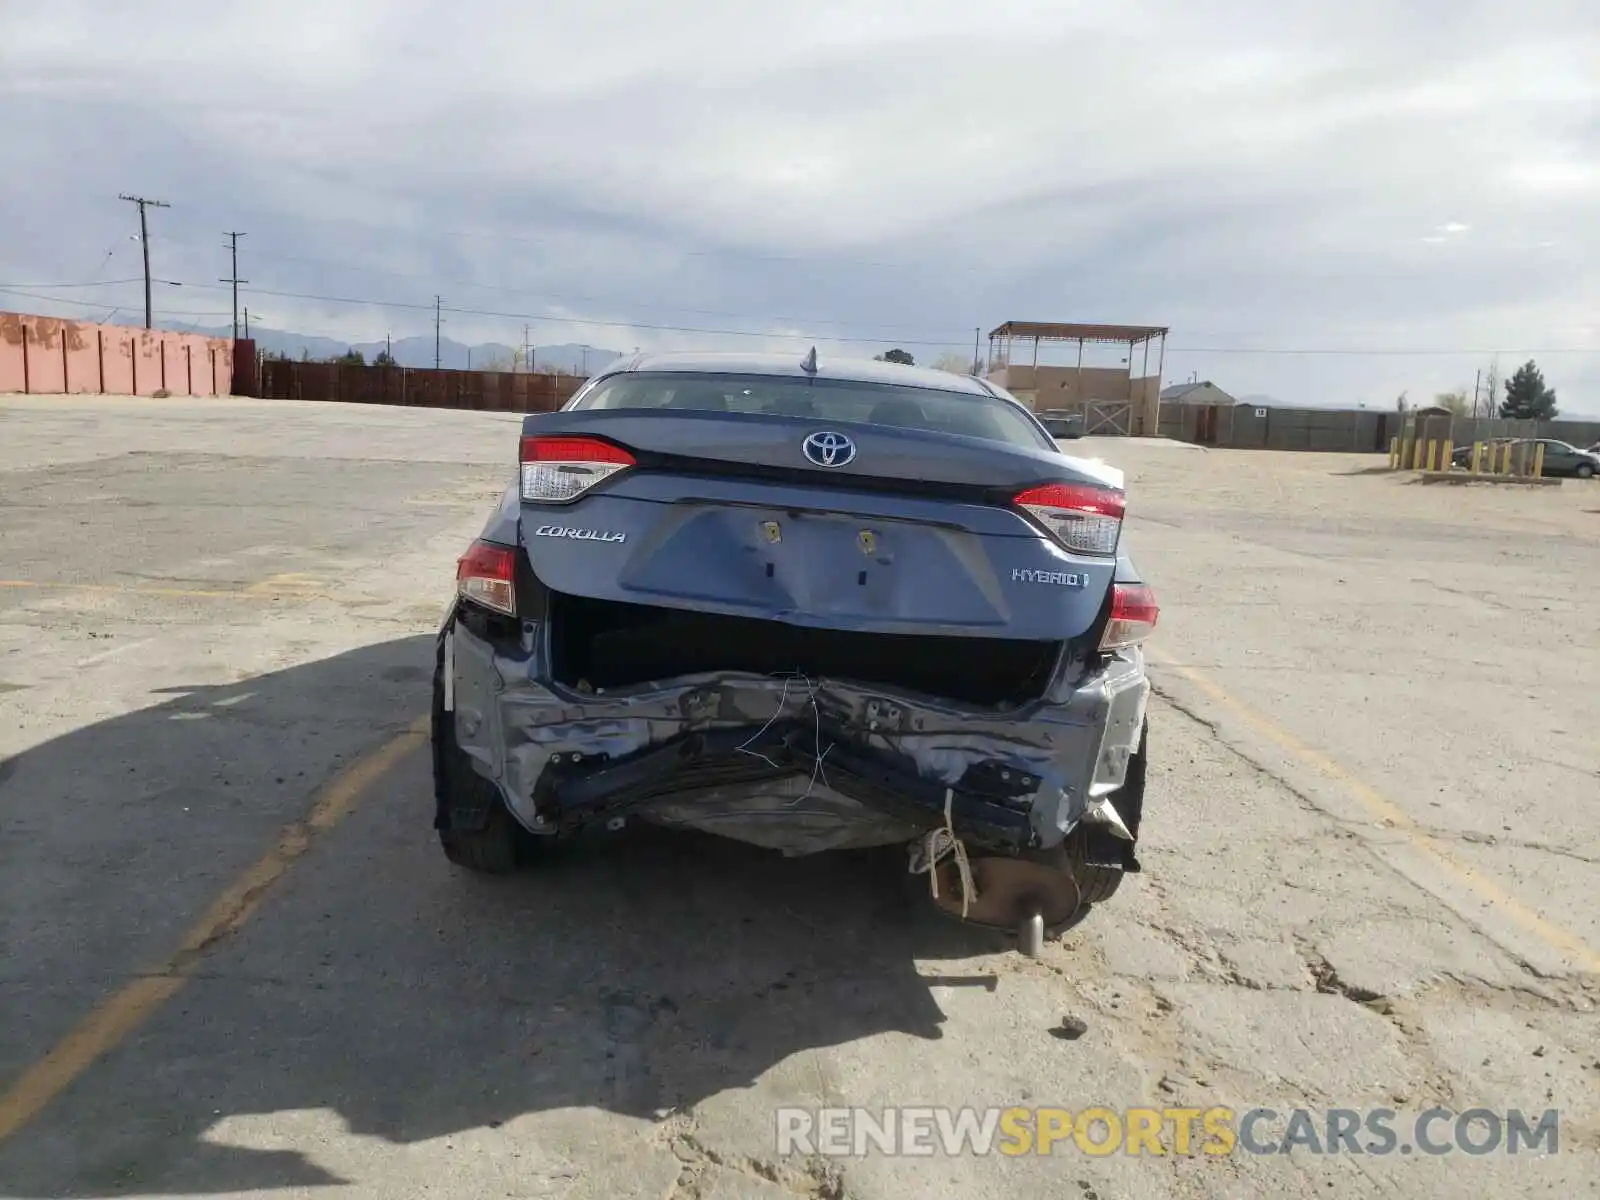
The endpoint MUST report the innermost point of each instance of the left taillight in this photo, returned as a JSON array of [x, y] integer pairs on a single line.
[[1133, 616], [556, 470], [485, 575]]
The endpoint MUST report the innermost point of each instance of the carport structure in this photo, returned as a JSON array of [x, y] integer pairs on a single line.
[[1112, 400]]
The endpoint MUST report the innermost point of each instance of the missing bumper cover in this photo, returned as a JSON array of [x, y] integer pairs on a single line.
[[734, 752]]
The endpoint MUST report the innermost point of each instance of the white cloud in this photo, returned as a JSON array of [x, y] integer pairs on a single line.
[[1232, 167]]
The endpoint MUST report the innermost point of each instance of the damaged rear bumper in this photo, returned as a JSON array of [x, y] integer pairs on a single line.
[[794, 764]]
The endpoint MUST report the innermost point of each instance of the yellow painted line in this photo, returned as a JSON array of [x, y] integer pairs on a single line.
[[110, 1023], [114, 588], [291, 581], [290, 585], [1384, 809]]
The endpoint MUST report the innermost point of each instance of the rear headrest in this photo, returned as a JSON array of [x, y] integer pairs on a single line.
[[702, 398], [897, 411]]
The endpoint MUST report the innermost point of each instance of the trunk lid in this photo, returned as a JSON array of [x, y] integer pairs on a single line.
[[724, 512]]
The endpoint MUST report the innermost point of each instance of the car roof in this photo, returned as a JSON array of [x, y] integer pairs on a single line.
[[855, 370]]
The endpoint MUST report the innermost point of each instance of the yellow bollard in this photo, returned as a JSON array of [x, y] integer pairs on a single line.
[[1433, 454], [1416, 454], [1394, 453], [1538, 461], [1477, 458], [1446, 448]]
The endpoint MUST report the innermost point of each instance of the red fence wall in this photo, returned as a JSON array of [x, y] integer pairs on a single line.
[[492, 391], [47, 355]]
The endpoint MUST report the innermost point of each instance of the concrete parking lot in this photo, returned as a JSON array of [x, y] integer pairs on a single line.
[[233, 961]]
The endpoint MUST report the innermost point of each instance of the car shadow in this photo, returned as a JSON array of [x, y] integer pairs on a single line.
[[641, 976]]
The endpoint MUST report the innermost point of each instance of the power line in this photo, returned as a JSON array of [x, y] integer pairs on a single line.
[[567, 296], [727, 252], [144, 243], [439, 308], [100, 283], [7, 291], [525, 316], [1351, 351]]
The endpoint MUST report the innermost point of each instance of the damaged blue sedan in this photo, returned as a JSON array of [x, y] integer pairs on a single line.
[[810, 606]]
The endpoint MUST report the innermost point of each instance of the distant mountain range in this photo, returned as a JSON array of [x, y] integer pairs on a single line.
[[418, 351]]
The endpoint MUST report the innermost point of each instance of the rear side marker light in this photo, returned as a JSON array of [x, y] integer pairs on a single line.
[[1133, 616], [557, 470], [1084, 519], [484, 575]]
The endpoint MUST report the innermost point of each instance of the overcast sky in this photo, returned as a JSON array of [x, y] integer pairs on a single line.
[[1260, 175]]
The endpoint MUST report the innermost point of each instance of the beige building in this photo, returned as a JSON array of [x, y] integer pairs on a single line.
[[1113, 400]]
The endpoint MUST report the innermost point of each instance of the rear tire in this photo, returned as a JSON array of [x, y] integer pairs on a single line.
[[1585, 471], [1098, 883], [496, 849], [476, 829]]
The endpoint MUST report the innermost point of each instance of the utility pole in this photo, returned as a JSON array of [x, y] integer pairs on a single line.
[[975, 333], [1477, 381], [436, 321], [233, 237], [388, 347], [144, 244], [527, 361], [247, 322]]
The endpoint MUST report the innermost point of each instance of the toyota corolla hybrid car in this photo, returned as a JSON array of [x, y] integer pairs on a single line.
[[810, 606]]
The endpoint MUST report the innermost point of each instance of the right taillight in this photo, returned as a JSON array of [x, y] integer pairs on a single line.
[[1083, 518], [559, 469], [1133, 616]]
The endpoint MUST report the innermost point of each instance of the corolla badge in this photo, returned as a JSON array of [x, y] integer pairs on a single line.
[[829, 449], [582, 535]]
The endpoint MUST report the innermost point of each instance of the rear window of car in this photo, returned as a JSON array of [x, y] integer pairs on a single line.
[[822, 400]]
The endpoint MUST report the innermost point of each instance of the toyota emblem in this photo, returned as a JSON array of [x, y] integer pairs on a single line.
[[829, 449]]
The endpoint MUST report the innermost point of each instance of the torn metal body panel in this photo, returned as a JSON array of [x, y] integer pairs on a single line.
[[793, 764]]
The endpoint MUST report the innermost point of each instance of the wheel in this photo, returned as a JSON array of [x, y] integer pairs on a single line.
[[1585, 471], [1097, 883], [476, 830], [496, 849]]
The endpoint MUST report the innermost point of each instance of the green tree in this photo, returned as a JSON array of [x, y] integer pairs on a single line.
[[897, 356], [351, 358], [1527, 397], [383, 359], [1456, 401]]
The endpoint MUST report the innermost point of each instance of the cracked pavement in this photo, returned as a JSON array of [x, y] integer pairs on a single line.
[[1368, 860]]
